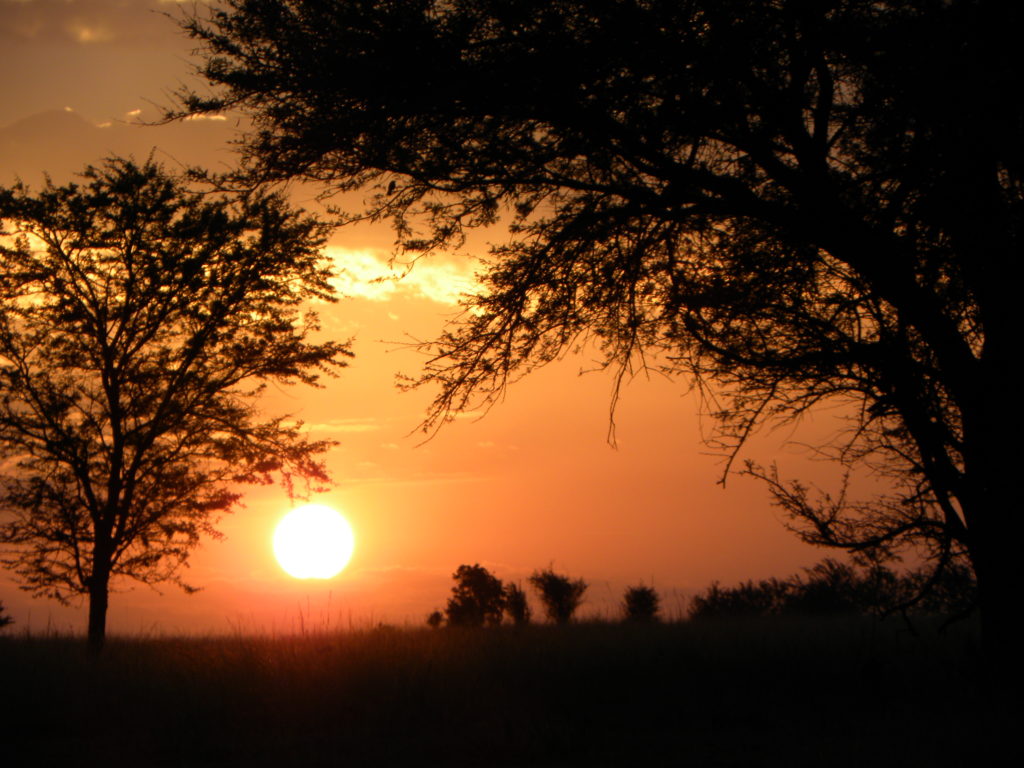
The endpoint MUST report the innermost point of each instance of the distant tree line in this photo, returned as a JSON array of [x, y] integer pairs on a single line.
[[832, 588], [828, 588]]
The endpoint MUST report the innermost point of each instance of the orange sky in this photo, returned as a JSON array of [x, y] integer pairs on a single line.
[[533, 483]]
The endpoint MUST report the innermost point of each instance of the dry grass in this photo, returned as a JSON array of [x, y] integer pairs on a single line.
[[812, 693]]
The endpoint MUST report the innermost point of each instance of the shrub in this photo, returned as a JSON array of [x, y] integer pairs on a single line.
[[747, 599], [561, 595], [640, 604], [516, 606]]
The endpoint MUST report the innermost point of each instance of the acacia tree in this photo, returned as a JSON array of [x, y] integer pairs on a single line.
[[792, 202], [140, 321]]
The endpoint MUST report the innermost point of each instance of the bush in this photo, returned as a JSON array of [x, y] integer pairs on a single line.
[[516, 606], [640, 604], [561, 595], [765, 598]]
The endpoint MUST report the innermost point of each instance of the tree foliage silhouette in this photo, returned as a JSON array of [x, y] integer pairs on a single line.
[[140, 321], [4, 619], [789, 202], [560, 594], [477, 598], [640, 604]]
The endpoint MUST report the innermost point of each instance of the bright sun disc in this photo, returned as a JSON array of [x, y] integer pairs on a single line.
[[313, 542]]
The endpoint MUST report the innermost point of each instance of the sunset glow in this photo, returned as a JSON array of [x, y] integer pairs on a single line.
[[313, 542]]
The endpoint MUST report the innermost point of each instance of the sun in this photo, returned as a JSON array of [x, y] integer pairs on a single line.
[[313, 542]]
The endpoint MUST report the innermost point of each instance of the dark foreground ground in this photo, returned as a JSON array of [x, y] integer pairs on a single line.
[[794, 693]]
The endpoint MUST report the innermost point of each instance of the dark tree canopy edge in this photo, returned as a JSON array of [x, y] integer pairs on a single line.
[[792, 202]]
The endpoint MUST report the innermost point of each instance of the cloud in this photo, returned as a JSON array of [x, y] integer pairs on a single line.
[[345, 425], [367, 274]]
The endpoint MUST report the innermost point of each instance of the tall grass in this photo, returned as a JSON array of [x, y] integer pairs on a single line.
[[756, 692]]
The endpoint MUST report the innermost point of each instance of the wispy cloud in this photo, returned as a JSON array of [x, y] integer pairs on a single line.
[[345, 425]]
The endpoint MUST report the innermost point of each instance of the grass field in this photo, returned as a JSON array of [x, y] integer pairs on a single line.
[[713, 693]]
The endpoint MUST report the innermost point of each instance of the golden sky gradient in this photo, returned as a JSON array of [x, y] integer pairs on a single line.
[[534, 482]]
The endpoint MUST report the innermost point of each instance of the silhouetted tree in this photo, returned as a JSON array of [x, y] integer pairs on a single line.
[[560, 594], [477, 598], [640, 604], [435, 619], [4, 619], [140, 320], [516, 605], [792, 202]]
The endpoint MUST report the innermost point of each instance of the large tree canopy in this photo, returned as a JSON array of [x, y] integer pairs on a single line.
[[139, 322], [794, 201]]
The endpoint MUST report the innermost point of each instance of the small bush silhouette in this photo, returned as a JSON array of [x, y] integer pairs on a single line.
[[516, 606], [477, 598], [641, 604], [435, 619], [561, 595]]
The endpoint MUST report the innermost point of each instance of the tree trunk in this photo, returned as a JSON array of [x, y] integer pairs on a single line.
[[996, 530], [999, 591], [98, 596]]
